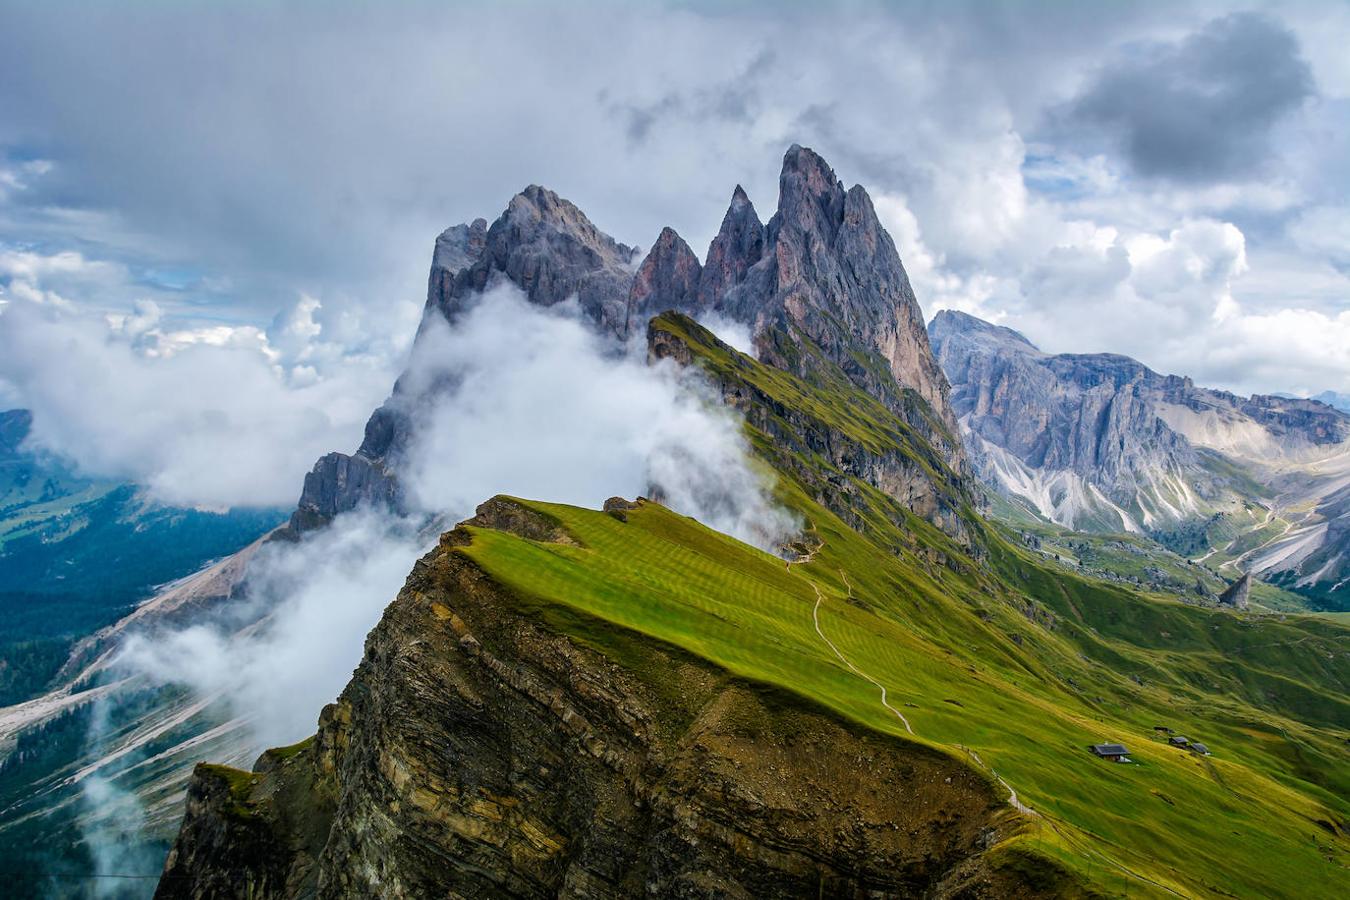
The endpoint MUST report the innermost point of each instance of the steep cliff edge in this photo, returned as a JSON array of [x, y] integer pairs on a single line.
[[482, 751]]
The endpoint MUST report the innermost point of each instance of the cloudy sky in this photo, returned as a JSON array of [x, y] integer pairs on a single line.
[[216, 223]]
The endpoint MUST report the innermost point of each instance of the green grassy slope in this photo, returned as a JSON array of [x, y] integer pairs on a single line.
[[1004, 660], [1243, 821]]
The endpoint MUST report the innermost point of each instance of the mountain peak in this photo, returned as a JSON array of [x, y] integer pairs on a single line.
[[950, 323], [739, 244], [547, 246], [667, 279], [459, 246], [830, 276], [810, 196]]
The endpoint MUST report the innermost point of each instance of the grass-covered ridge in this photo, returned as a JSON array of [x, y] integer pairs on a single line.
[[1245, 820], [1004, 660]]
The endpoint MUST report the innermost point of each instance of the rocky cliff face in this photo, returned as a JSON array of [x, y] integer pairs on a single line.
[[821, 283], [1238, 594], [551, 251], [478, 752], [831, 273], [1102, 442], [821, 286], [901, 463], [1091, 415]]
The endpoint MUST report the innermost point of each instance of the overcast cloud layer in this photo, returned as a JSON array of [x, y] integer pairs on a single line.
[[196, 202]]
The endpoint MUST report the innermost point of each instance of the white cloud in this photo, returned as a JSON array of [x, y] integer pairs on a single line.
[[202, 417], [730, 332], [1172, 301], [1324, 231], [543, 408], [530, 402], [334, 584], [277, 193], [17, 176]]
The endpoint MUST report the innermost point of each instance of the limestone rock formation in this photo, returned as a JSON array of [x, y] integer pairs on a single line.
[[830, 275], [739, 244], [1089, 414], [339, 483], [1101, 442], [821, 286], [667, 279], [551, 251]]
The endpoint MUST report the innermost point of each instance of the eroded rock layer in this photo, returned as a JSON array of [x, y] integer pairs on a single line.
[[479, 751]]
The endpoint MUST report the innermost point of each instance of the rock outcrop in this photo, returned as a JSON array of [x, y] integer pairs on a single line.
[[1238, 594], [478, 752], [739, 244], [821, 285], [823, 282], [549, 249], [833, 273], [667, 279], [339, 483]]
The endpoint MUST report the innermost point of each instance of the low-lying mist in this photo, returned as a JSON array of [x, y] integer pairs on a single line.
[[546, 409], [511, 399]]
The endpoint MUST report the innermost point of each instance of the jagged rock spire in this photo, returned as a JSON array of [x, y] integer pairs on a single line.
[[828, 273], [810, 196], [1238, 594], [822, 271], [547, 247], [667, 279], [738, 246]]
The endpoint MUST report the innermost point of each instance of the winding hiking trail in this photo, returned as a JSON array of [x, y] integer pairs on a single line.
[[1012, 794], [1013, 800], [815, 616]]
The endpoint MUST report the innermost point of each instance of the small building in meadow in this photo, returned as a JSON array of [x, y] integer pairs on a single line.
[[1113, 752], [1201, 749], [1177, 740]]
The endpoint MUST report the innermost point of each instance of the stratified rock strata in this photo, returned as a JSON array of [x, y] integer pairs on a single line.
[[480, 752]]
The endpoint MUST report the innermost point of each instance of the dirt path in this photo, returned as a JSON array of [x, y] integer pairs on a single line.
[[1013, 800], [1012, 794], [815, 616]]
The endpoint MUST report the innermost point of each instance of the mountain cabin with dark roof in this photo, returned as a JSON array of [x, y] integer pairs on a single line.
[[1113, 752], [1197, 747], [1179, 741]]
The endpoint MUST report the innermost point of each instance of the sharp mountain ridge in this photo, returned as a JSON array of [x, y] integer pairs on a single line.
[[821, 287]]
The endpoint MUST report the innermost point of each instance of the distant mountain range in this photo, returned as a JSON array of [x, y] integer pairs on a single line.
[[1100, 442], [1330, 398]]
